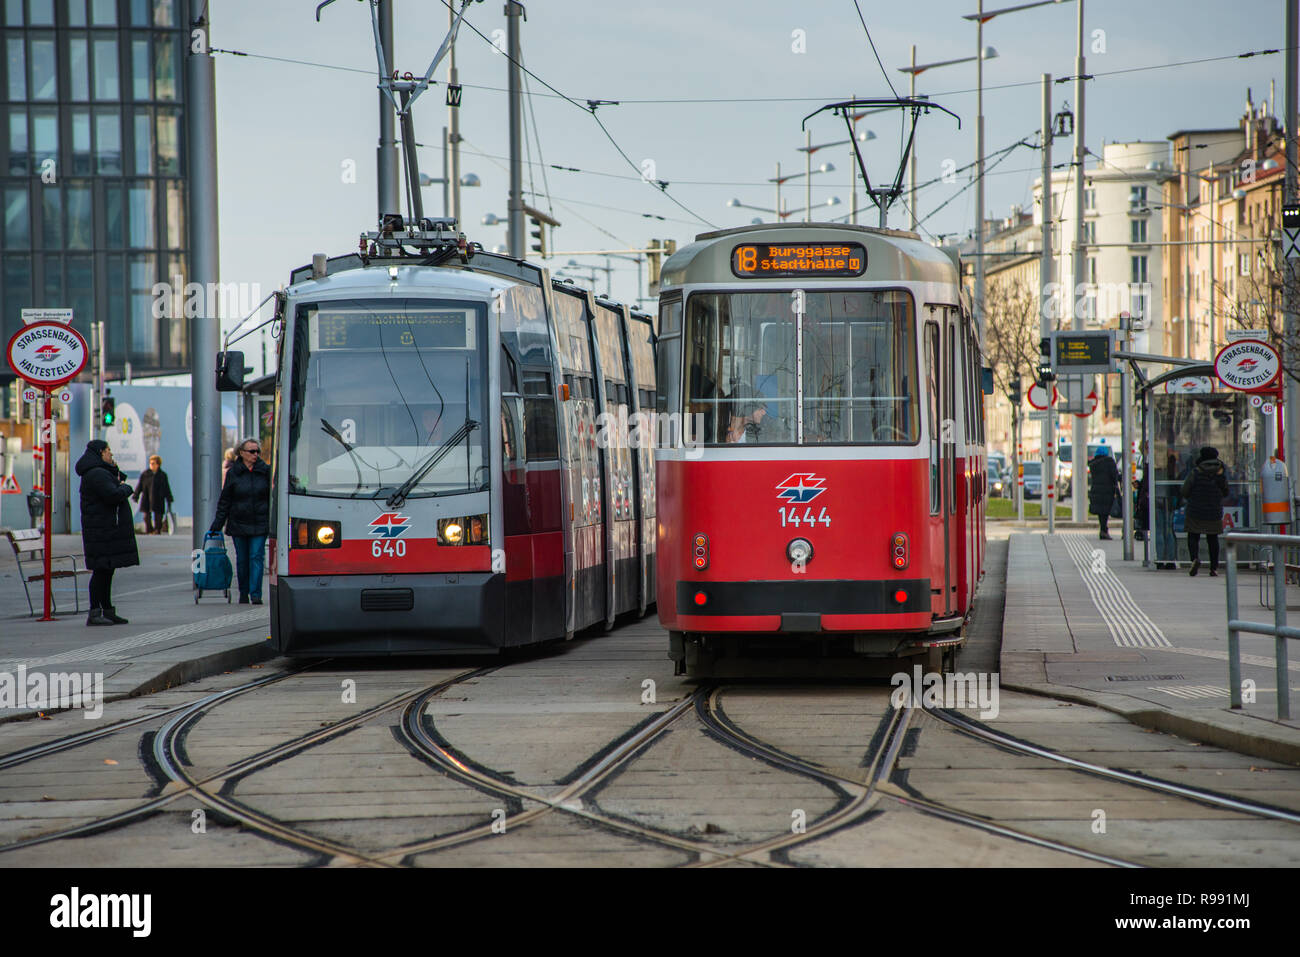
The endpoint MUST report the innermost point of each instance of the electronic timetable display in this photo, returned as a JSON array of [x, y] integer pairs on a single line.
[[777, 260]]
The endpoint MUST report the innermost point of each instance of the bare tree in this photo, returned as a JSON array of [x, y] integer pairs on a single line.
[[1259, 301], [1011, 333]]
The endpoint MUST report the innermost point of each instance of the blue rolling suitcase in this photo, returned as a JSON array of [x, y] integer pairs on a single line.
[[216, 568]]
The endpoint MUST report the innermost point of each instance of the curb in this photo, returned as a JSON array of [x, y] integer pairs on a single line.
[[179, 673]]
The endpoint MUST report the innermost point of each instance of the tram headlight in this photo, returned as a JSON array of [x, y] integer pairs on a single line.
[[799, 551], [314, 533], [477, 530], [451, 531]]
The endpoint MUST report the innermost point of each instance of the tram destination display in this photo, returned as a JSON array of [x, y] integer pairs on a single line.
[[779, 260], [379, 328]]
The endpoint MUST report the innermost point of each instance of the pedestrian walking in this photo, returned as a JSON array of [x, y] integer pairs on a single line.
[[1103, 488], [154, 493], [1204, 490], [231, 458], [245, 510], [107, 530]]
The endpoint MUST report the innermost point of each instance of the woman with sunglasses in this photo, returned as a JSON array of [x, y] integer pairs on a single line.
[[245, 510]]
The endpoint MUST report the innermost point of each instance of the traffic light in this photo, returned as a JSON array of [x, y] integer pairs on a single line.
[[1015, 390], [108, 411], [538, 232]]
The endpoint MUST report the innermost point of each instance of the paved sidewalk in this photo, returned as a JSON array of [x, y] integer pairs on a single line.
[[1082, 624], [170, 639]]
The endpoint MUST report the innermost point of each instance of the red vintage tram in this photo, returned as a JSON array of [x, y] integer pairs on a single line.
[[827, 490]]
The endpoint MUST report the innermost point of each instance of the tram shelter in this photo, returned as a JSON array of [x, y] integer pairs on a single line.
[[1185, 410]]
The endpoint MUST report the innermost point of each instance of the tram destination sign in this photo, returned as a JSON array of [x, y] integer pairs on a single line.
[[47, 354], [1084, 353], [779, 260]]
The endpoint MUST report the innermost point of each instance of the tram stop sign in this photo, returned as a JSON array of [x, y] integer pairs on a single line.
[[47, 354]]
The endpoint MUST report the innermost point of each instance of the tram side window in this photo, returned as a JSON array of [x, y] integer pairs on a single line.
[[539, 417], [669, 349], [932, 400]]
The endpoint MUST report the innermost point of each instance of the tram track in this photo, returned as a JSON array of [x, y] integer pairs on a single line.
[[876, 781], [981, 732], [166, 758], [417, 734]]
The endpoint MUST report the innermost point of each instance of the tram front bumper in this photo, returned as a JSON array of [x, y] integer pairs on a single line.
[[437, 613]]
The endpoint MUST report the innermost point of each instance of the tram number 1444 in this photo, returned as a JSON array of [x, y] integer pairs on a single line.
[[388, 548], [791, 516]]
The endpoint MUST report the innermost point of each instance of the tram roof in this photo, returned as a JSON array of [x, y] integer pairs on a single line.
[[892, 254], [351, 276]]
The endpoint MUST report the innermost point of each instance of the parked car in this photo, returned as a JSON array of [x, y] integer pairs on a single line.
[[1033, 479], [999, 481]]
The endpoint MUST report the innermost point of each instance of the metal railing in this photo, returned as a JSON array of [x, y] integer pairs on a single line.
[[1278, 629]]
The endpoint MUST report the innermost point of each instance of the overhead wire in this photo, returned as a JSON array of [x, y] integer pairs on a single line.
[[590, 108]]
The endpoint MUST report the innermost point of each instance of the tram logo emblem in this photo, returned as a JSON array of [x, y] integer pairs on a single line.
[[1247, 365], [389, 525], [48, 353], [800, 488]]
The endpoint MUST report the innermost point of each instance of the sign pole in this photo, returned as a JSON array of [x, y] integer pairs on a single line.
[[47, 407], [1126, 433]]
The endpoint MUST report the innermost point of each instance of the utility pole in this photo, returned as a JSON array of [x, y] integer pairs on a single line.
[[1292, 323], [1079, 454], [453, 80], [205, 330], [1044, 307], [979, 177], [389, 178], [518, 242], [1126, 431], [911, 174]]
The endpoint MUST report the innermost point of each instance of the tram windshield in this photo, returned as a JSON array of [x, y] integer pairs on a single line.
[[378, 386], [859, 367]]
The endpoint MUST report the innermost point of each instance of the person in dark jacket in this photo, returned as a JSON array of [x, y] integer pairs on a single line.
[[245, 510], [154, 493], [1103, 486], [107, 529], [1204, 489]]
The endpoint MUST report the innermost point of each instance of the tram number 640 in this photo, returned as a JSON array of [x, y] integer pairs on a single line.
[[389, 548], [791, 516]]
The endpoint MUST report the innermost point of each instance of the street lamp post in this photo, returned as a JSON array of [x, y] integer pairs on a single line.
[[913, 71], [779, 180], [982, 16], [808, 149], [737, 204]]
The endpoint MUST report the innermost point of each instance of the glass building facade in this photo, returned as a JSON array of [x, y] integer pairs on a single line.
[[92, 169]]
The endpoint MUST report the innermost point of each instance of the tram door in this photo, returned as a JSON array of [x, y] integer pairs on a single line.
[[954, 539], [939, 537], [616, 472], [641, 351], [585, 539]]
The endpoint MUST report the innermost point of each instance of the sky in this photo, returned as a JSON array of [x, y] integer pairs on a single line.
[[296, 140]]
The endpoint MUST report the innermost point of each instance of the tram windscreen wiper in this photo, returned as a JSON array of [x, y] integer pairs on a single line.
[[399, 496], [338, 436]]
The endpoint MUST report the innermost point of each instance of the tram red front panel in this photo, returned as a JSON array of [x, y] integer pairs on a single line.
[[848, 509], [386, 557]]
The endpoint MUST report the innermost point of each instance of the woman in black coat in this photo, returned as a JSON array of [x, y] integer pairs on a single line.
[[1103, 487], [107, 530], [245, 510], [1205, 488], [154, 493]]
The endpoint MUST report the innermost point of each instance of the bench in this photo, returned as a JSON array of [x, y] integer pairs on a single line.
[[29, 549]]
